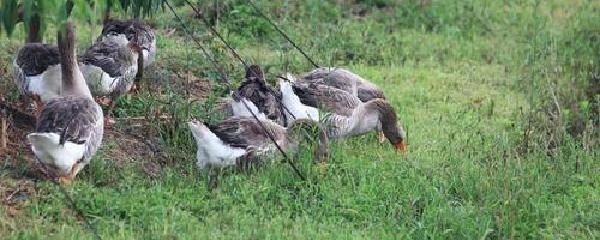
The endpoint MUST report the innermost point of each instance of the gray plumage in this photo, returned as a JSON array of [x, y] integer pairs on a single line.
[[76, 119], [32, 60], [244, 132], [115, 59], [146, 36], [345, 80], [326, 98], [35, 58], [264, 96], [109, 56]]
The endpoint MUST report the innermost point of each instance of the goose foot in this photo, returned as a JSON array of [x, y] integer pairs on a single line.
[[108, 119], [135, 89], [37, 105]]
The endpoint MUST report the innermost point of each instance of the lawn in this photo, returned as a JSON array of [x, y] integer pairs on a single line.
[[500, 100]]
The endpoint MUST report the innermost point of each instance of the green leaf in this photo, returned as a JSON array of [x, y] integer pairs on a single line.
[[9, 15]]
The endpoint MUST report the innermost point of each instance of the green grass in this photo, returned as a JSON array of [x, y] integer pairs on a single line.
[[472, 82]]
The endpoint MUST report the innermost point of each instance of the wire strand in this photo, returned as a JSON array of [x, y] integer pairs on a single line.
[[216, 33], [282, 33], [89, 226]]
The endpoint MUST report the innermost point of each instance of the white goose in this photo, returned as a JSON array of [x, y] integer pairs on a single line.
[[70, 127]]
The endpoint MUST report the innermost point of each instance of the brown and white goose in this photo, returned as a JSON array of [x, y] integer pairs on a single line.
[[332, 83], [36, 72], [70, 127], [343, 79], [350, 116], [241, 139]]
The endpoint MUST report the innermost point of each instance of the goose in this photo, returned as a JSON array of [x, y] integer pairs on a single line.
[[330, 90], [110, 67], [240, 138], [343, 79], [36, 72], [266, 98], [349, 117], [145, 38], [70, 127]]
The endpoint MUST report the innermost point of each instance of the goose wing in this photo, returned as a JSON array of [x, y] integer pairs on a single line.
[[244, 132], [343, 79], [327, 98], [146, 36], [109, 56]]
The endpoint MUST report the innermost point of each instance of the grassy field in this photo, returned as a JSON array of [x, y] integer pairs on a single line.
[[500, 100]]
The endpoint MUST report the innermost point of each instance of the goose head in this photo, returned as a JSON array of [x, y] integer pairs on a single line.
[[389, 123], [254, 72], [305, 130]]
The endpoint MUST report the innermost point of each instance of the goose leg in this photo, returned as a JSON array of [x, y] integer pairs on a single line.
[[37, 105], [381, 137], [109, 120], [245, 162], [69, 178], [44, 170], [213, 178]]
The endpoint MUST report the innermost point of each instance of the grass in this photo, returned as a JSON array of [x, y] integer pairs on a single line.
[[472, 81]]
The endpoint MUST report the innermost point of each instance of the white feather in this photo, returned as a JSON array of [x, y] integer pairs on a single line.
[[47, 85], [48, 150], [120, 39], [292, 102], [211, 149], [99, 82], [240, 109]]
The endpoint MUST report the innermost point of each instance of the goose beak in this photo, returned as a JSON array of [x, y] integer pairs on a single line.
[[401, 146]]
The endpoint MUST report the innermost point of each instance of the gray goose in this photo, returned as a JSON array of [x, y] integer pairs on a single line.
[[130, 29], [240, 139], [36, 72], [110, 66], [145, 38], [70, 127]]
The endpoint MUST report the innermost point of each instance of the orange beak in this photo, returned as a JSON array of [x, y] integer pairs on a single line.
[[401, 146]]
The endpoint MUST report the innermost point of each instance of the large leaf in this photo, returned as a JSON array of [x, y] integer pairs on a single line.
[[9, 15]]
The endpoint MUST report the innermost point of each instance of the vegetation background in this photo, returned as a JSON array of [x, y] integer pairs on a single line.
[[500, 99]]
